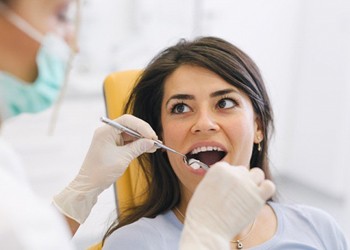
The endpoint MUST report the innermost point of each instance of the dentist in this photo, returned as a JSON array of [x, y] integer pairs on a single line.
[[36, 42]]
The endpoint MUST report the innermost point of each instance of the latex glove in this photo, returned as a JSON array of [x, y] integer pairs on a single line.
[[110, 153], [225, 201]]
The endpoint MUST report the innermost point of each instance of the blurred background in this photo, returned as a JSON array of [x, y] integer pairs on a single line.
[[302, 48]]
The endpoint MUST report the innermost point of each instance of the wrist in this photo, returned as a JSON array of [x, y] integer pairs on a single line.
[[76, 204]]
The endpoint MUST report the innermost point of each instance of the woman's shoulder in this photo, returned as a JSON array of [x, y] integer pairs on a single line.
[[309, 222], [302, 211], [147, 233]]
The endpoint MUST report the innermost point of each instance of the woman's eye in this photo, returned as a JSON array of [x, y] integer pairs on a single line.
[[180, 108], [226, 103]]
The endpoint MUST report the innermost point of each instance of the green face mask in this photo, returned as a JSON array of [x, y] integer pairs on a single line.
[[18, 97]]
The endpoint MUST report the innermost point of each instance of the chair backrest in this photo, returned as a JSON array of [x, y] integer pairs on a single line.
[[130, 187], [116, 89]]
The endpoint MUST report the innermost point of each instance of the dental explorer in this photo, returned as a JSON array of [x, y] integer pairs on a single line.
[[193, 163]]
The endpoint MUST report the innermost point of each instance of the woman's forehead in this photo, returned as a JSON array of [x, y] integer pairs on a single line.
[[194, 78]]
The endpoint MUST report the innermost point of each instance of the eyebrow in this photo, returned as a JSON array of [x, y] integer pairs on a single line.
[[180, 97], [191, 97], [223, 92]]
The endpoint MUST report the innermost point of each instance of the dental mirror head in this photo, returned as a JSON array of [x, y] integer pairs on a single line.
[[195, 164]]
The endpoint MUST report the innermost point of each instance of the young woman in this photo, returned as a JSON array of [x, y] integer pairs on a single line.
[[207, 100]]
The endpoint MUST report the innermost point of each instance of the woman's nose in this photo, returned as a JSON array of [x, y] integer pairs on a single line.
[[204, 123]]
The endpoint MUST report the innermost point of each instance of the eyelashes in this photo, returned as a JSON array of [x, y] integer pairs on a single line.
[[223, 103], [226, 103], [179, 108]]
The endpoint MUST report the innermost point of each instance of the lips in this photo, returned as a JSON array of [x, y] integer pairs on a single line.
[[207, 154]]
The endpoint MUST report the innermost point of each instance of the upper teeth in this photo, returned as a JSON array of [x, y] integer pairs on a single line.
[[205, 148]]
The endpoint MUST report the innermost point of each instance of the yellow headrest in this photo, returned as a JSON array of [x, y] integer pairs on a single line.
[[117, 87]]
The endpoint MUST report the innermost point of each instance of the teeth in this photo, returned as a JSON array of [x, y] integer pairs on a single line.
[[205, 149]]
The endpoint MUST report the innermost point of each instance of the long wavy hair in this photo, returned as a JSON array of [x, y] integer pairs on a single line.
[[218, 56]]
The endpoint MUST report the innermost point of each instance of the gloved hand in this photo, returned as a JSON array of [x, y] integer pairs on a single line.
[[225, 201], [110, 153]]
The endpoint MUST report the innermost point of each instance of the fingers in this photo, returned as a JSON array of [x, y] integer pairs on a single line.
[[139, 147], [267, 189], [257, 175], [138, 125]]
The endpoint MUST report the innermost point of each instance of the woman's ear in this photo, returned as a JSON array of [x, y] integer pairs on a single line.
[[258, 131]]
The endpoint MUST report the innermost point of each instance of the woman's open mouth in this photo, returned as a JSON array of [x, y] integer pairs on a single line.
[[207, 154]]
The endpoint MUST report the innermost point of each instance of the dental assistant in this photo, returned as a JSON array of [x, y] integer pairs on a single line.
[[36, 40]]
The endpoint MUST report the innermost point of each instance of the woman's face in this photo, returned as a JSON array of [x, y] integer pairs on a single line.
[[206, 118]]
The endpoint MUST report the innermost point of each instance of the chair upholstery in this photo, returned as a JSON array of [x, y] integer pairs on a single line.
[[116, 88], [129, 187]]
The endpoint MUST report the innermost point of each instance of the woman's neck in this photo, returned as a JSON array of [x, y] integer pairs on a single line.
[[186, 196], [261, 230]]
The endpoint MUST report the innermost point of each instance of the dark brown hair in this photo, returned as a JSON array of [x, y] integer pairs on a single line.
[[218, 56]]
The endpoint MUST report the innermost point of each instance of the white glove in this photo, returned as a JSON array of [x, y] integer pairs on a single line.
[[110, 153], [225, 201]]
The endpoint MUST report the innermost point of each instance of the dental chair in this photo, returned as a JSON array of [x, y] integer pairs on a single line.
[[116, 89], [131, 186]]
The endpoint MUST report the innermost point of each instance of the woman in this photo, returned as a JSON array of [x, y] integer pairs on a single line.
[[207, 99]]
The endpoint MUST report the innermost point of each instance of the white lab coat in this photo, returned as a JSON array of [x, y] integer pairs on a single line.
[[26, 221]]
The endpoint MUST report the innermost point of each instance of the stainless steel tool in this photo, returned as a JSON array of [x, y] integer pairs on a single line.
[[194, 163]]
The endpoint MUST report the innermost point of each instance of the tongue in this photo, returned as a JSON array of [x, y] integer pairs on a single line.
[[210, 157]]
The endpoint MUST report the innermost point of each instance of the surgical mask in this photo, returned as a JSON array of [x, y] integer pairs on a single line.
[[17, 96]]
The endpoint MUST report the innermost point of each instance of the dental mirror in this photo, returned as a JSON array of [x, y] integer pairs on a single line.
[[193, 163]]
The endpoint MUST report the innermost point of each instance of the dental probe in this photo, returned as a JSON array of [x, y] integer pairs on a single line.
[[194, 163]]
